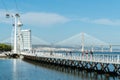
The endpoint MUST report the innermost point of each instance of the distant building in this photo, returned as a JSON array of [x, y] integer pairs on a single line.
[[26, 40]]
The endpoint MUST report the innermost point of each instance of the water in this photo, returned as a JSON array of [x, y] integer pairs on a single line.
[[17, 69]]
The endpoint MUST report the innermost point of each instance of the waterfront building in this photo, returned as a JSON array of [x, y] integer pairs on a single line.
[[26, 40]]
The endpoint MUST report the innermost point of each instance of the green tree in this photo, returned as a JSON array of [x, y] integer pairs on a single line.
[[5, 47]]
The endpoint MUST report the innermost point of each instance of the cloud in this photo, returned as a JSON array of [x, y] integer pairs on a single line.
[[48, 19], [35, 18], [42, 18], [103, 21]]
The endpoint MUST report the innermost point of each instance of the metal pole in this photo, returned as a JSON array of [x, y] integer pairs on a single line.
[[18, 35], [15, 35]]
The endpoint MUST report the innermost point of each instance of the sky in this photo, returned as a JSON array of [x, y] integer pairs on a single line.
[[56, 20]]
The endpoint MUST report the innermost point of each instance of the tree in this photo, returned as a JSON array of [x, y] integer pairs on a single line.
[[5, 47]]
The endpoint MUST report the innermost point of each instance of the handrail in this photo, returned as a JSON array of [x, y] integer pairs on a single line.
[[100, 58]]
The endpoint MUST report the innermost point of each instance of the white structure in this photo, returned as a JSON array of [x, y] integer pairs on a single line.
[[26, 40], [82, 49], [17, 31]]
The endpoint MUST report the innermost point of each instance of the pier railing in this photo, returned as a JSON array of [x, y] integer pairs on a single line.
[[100, 58]]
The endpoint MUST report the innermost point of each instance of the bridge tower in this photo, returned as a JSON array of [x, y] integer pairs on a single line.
[[82, 42]]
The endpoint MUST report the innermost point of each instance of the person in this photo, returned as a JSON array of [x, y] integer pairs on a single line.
[[66, 53], [82, 53], [87, 52], [91, 53], [51, 53], [70, 53]]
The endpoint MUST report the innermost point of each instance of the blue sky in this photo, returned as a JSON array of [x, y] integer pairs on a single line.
[[56, 20]]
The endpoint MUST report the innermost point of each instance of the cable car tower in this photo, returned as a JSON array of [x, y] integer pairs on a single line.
[[17, 33]]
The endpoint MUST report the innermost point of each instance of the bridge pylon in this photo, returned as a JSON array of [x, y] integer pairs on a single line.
[[82, 44]]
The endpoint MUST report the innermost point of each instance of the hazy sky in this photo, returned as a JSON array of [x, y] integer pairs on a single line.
[[56, 20]]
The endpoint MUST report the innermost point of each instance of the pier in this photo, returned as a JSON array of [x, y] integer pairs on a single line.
[[99, 63]]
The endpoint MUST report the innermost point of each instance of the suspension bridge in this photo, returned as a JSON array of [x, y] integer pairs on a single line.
[[81, 42]]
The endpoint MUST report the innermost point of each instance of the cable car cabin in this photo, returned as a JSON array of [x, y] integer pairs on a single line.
[[7, 15]]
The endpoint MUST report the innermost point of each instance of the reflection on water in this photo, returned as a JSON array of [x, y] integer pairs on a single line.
[[16, 69], [78, 74]]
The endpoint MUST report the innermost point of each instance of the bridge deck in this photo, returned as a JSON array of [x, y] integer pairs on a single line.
[[100, 58]]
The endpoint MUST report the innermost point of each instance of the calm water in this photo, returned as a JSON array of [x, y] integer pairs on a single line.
[[16, 69]]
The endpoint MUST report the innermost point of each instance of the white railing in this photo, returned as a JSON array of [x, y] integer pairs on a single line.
[[101, 58]]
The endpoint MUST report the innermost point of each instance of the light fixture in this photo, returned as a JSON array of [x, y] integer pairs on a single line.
[[19, 23]]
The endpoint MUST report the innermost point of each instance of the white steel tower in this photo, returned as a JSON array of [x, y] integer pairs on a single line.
[[17, 32]]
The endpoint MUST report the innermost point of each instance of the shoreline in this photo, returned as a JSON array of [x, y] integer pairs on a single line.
[[3, 56]]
